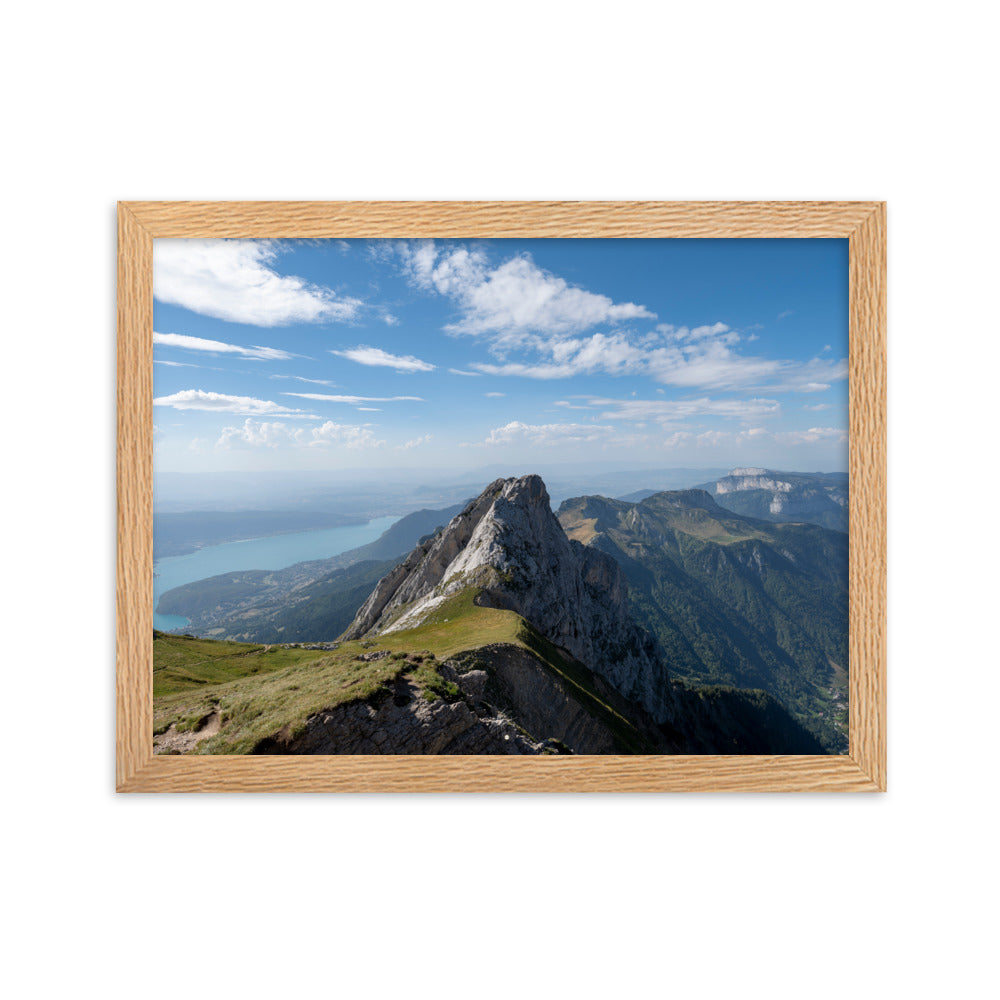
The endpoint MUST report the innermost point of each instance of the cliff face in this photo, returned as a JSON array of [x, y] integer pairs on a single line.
[[508, 544], [778, 496], [406, 723], [760, 480], [508, 704]]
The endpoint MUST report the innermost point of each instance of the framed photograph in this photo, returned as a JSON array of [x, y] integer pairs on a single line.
[[501, 496]]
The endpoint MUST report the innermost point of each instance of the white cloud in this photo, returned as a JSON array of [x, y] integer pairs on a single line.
[[495, 395], [346, 435], [513, 302], [818, 407], [218, 347], [198, 399], [676, 439], [711, 438], [458, 371], [754, 436], [233, 280], [257, 434], [382, 359], [175, 364], [301, 378], [608, 353], [682, 334], [267, 434], [705, 361], [547, 435], [415, 443], [354, 399], [812, 435], [671, 410]]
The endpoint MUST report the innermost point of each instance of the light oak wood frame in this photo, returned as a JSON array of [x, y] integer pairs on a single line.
[[862, 769]]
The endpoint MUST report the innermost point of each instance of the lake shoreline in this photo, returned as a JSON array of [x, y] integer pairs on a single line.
[[268, 552]]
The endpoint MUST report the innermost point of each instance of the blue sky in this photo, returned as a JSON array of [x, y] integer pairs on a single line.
[[344, 354]]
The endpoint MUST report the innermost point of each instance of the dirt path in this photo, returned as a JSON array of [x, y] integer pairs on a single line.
[[174, 742]]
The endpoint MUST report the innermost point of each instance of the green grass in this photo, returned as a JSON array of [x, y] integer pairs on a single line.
[[260, 692], [181, 663]]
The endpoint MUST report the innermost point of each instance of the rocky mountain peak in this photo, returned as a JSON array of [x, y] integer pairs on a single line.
[[509, 546]]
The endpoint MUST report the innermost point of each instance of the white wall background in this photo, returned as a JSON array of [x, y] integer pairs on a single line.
[[701, 896]]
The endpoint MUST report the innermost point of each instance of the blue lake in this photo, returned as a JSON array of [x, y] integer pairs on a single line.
[[274, 552]]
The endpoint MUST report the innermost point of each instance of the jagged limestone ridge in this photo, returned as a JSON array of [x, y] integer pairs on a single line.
[[509, 545]]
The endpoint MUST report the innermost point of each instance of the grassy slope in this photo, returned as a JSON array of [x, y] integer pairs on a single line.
[[184, 664], [260, 690]]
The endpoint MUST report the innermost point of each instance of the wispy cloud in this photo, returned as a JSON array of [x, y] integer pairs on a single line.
[[719, 332], [495, 395], [269, 434], [300, 378], [812, 435], [512, 302], [547, 435], [355, 399], [346, 435], [706, 361], [234, 280], [218, 347], [378, 358], [415, 443], [787, 312], [667, 411], [218, 402], [175, 364], [458, 371], [567, 405]]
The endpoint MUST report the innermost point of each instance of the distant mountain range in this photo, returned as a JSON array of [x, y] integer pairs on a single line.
[[783, 497], [732, 599], [664, 626]]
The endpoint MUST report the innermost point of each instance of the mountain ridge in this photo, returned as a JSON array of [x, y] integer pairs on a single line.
[[498, 633], [509, 545], [733, 600], [769, 495]]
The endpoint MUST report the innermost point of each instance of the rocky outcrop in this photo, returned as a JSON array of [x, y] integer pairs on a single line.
[[515, 681], [751, 479], [505, 701], [779, 496], [406, 723], [508, 545]]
